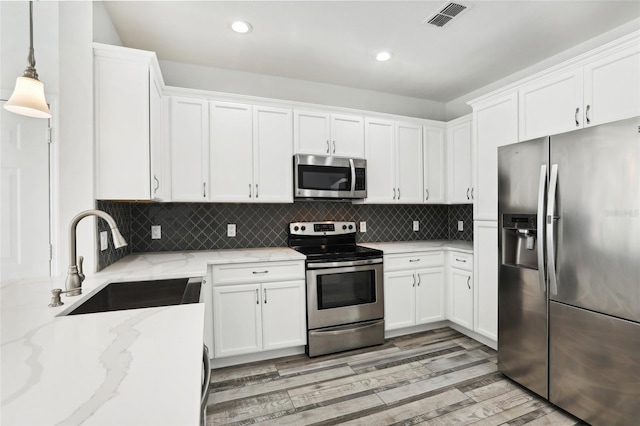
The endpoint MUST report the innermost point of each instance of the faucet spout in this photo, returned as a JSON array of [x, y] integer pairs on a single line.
[[75, 276]]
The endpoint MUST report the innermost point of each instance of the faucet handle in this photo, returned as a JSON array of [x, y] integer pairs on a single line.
[[55, 298], [80, 273]]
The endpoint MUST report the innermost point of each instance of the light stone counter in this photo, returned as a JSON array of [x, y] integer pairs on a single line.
[[397, 247], [133, 367]]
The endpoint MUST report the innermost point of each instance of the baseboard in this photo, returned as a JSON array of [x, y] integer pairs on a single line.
[[254, 357], [475, 336], [431, 326]]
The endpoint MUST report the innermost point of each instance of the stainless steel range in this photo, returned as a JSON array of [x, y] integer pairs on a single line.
[[345, 296]]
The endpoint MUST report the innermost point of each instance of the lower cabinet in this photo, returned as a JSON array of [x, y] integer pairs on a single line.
[[460, 282]]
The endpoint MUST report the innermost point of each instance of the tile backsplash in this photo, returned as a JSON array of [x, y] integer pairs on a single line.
[[203, 226]]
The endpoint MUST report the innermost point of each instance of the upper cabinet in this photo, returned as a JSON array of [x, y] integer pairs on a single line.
[[433, 149], [251, 153], [318, 133], [600, 91], [128, 140], [460, 186]]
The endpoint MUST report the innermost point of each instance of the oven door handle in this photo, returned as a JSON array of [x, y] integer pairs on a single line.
[[340, 264], [347, 328], [353, 177]]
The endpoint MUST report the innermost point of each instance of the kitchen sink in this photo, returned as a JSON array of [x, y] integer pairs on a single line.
[[119, 296]]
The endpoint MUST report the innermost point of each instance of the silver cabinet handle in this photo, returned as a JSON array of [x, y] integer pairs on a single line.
[[427, 191], [157, 184], [576, 117], [418, 275], [264, 291], [257, 296], [468, 193], [398, 193], [327, 146], [204, 189], [551, 206], [468, 282], [334, 147], [414, 260], [249, 190], [394, 193], [414, 280], [586, 113], [260, 272], [461, 260], [472, 193], [542, 184], [256, 190]]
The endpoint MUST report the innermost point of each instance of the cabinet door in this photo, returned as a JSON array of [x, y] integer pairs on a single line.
[[459, 163], [158, 183], [189, 149], [612, 87], [272, 153], [284, 320], [409, 163], [434, 165], [237, 321], [551, 105], [122, 129], [461, 283], [347, 136], [399, 299], [485, 241], [311, 133], [231, 152], [380, 155], [495, 124], [430, 295]]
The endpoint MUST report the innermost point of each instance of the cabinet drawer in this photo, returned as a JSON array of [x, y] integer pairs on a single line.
[[257, 272], [461, 260], [413, 260]]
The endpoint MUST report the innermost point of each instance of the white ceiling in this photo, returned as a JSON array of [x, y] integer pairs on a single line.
[[335, 41]]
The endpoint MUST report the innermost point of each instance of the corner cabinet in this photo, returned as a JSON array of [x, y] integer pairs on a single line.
[[319, 133], [461, 289], [258, 307], [251, 151], [460, 185], [128, 116], [434, 157]]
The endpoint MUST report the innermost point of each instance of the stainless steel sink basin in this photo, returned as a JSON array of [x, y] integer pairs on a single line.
[[141, 294]]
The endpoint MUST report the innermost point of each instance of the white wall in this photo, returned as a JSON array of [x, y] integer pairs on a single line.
[[246, 83], [458, 107], [103, 29]]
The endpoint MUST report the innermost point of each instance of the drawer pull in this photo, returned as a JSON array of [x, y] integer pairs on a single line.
[[461, 260], [414, 260], [260, 272]]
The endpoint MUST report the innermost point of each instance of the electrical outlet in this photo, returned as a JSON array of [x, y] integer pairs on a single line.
[[104, 243], [460, 225], [156, 232], [363, 226], [416, 225], [231, 229]]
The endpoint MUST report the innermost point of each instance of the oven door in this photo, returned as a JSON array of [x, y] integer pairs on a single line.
[[329, 177], [346, 292]]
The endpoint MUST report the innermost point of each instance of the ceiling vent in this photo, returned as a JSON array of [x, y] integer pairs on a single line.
[[446, 14]]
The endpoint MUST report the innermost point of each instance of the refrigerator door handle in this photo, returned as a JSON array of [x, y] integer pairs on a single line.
[[542, 273], [551, 218]]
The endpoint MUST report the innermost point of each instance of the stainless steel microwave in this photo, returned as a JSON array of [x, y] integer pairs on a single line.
[[317, 176]]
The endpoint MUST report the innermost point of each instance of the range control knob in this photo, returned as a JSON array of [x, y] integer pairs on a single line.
[[344, 226], [304, 228], [295, 228], [350, 226]]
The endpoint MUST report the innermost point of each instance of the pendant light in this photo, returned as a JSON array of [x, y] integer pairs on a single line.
[[28, 96]]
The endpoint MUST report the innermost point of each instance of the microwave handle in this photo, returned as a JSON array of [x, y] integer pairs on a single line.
[[353, 177]]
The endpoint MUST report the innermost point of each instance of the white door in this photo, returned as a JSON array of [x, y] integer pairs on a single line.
[[189, 149], [24, 196], [430, 295], [409, 163], [459, 170], [231, 152], [284, 322], [311, 133], [272, 153], [485, 241], [380, 156], [347, 136], [434, 165], [399, 299], [461, 283], [237, 321]]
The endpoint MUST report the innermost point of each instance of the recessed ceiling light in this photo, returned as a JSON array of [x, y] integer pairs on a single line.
[[241, 27], [383, 56]]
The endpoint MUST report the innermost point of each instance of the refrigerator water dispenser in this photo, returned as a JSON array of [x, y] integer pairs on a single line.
[[519, 239]]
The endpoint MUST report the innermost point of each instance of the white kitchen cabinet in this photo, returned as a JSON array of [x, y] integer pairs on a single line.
[[189, 149], [258, 307], [251, 151], [434, 166], [128, 138], [495, 123], [461, 293], [319, 133], [414, 289], [602, 90], [394, 162], [459, 178], [485, 242]]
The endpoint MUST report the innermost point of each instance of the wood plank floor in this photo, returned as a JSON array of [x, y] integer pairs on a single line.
[[438, 377]]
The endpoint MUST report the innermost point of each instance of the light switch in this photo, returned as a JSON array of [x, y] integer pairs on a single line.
[[460, 225], [231, 229], [104, 243], [363, 226], [416, 225], [156, 232]]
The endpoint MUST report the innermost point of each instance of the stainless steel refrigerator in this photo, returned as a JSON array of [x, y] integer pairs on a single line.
[[569, 270]]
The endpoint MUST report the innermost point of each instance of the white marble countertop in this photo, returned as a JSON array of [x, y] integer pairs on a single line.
[[397, 247]]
